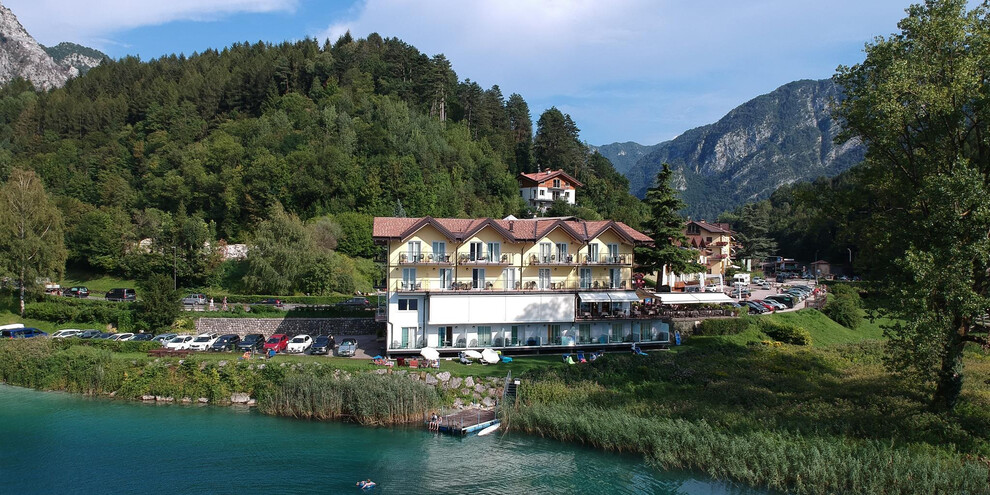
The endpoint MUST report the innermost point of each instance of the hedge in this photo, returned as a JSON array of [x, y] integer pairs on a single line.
[[724, 326], [785, 332]]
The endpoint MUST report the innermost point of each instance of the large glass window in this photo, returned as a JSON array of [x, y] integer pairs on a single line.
[[446, 277], [415, 251], [593, 252], [514, 335], [409, 278], [553, 334], [613, 253], [440, 251], [510, 278], [584, 333], [478, 278], [561, 252], [585, 278], [494, 251], [615, 278], [544, 278], [616, 333], [477, 251], [484, 336], [545, 251]]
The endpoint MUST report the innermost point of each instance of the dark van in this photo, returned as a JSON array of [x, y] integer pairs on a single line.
[[121, 295], [22, 333]]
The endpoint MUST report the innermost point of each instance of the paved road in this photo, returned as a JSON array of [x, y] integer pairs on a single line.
[[758, 293]]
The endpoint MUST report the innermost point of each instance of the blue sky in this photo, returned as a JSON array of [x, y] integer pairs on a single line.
[[625, 70]]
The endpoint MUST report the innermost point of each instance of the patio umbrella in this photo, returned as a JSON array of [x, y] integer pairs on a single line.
[[430, 353], [472, 354], [489, 356]]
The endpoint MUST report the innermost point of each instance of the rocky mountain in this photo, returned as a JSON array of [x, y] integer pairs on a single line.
[[22, 56], [624, 155], [70, 55], [774, 139]]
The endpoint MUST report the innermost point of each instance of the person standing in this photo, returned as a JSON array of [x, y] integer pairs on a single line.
[[213, 307]]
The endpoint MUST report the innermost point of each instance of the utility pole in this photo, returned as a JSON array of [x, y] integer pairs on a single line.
[[175, 272]]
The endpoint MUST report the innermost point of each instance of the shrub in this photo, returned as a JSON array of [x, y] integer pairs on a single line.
[[785, 332], [728, 326], [844, 306]]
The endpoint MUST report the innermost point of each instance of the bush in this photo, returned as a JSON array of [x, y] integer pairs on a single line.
[[785, 332], [844, 306], [729, 326], [64, 310]]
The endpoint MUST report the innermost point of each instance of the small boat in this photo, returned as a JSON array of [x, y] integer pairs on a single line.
[[489, 430]]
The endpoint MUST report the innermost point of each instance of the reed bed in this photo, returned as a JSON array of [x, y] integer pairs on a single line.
[[778, 460], [368, 399]]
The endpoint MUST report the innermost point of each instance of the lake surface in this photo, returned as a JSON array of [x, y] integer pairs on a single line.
[[55, 442]]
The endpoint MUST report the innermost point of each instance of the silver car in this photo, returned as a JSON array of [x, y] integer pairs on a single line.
[[347, 348]]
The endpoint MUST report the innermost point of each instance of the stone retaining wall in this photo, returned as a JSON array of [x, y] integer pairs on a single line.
[[290, 326]]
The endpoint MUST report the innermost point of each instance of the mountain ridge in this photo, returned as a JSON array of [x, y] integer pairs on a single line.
[[21, 56], [774, 139]]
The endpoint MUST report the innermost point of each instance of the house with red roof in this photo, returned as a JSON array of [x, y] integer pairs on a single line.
[[517, 285], [542, 188], [714, 243]]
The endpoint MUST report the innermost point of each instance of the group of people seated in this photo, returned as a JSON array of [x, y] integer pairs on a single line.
[[580, 358], [435, 422]]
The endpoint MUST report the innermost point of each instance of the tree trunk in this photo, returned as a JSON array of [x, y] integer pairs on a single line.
[[949, 382], [22, 292]]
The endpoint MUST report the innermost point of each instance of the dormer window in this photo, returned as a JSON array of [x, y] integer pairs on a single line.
[[693, 229], [556, 183]]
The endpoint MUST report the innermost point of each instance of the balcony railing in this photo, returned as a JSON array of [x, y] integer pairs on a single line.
[[486, 258], [621, 259], [434, 285], [553, 259], [426, 258], [505, 340]]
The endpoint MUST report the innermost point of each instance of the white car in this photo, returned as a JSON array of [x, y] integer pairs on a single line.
[[121, 336], [68, 332], [203, 341], [179, 342], [299, 343]]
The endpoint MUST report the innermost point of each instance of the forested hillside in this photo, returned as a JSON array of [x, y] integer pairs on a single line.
[[192, 150]]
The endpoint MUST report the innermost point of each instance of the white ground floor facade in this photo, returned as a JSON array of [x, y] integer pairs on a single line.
[[518, 321]]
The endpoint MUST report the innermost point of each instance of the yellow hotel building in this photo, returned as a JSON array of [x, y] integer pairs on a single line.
[[522, 285]]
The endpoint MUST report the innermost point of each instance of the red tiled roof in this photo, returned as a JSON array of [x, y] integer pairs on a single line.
[[458, 229], [547, 175], [715, 228]]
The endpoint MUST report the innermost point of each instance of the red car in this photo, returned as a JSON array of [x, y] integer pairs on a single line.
[[277, 342]]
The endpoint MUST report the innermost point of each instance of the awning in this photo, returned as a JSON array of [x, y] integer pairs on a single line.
[[594, 297], [693, 298], [626, 296]]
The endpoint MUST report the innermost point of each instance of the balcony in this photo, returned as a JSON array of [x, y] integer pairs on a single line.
[[498, 286], [485, 259], [426, 258], [553, 260], [605, 260]]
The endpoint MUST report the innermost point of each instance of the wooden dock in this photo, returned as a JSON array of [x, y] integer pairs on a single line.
[[467, 421]]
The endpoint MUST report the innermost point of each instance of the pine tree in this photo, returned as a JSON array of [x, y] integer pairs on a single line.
[[666, 227]]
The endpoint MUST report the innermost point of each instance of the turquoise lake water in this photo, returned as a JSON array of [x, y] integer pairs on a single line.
[[54, 443]]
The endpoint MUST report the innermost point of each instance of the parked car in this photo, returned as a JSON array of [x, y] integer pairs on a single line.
[[226, 342], [68, 332], [103, 336], [164, 338], [179, 342], [89, 334], [355, 302], [299, 344], [755, 307], [277, 342], [141, 337], [121, 336], [347, 348], [80, 292], [195, 300], [773, 304], [121, 295], [321, 345], [785, 299], [22, 333], [251, 342], [203, 341]]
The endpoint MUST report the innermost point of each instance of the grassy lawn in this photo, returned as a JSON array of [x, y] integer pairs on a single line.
[[98, 284], [824, 332]]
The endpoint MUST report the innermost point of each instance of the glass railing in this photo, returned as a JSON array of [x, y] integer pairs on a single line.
[[498, 285]]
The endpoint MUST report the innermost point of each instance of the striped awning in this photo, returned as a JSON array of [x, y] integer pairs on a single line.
[[594, 297]]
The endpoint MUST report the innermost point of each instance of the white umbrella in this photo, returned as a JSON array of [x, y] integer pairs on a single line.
[[472, 354], [490, 356], [430, 353]]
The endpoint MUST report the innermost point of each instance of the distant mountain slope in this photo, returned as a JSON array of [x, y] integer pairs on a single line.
[[774, 139], [22, 56], [82, 58], [624, 155]]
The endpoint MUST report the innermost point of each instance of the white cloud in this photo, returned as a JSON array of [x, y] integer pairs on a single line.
[[582, 53], [52, 21]]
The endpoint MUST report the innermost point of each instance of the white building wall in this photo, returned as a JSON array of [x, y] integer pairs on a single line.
[[489, 309]]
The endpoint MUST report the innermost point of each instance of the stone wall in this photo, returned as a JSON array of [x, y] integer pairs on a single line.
[[290, 326]]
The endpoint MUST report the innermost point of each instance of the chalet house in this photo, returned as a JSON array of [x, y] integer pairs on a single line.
[[541, 189], [521, 285], [714, 242]]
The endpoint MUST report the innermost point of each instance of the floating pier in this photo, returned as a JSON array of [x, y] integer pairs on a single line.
[[467, 421]]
